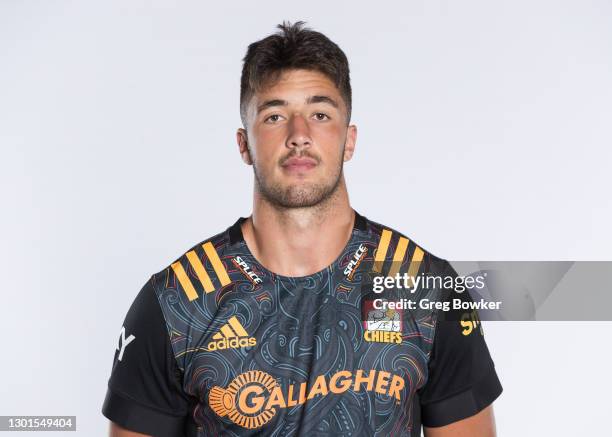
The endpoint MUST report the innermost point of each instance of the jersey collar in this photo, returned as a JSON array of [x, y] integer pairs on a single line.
[[235, 231]]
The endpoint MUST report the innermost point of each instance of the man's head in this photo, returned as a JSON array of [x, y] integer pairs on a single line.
[[295, 105]]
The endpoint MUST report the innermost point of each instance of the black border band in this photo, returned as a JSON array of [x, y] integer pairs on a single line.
[[133, 416], [464, 404]]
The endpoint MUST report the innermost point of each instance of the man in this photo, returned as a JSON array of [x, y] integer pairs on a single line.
[[269, 328]]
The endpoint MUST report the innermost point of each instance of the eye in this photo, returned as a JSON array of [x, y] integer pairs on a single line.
[[320, 116], [272, 118]]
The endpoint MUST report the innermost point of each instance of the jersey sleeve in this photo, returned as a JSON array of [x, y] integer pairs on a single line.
[[145, 390], [462, 379]]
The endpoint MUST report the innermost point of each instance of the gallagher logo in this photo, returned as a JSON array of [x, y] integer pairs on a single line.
[[246, 270], [350, 269], [252, 398]]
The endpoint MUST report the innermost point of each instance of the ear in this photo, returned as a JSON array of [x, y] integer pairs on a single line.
[[243, 146], [351, 140]]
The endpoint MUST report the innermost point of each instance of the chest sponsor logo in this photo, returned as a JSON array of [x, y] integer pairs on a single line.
[[246, 270], [351, 267], [382, 325], [232, 335], [252, 399]]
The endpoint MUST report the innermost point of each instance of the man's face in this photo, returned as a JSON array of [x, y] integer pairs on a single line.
[[297, 139]]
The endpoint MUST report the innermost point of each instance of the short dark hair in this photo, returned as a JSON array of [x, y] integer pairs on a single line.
[[294, 46]]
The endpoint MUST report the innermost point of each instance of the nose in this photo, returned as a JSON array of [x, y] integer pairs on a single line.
[[299, 133]]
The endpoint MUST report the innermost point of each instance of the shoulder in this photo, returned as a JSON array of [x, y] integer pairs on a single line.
[[395, 250], [188, 289], [200, 269]]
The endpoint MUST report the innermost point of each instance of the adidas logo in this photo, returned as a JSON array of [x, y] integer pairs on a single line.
[[232, 335]]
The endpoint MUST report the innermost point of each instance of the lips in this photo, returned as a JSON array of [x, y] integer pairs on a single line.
[[299, 164]]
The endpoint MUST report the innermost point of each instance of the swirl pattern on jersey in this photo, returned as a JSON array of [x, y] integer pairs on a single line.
[[265, 354]]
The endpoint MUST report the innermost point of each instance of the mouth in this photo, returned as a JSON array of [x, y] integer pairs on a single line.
[[299, 164]]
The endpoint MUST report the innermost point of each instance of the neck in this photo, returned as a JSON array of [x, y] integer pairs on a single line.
[[299, 241]]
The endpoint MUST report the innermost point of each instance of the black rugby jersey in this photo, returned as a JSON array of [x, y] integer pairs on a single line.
[[215, 344]]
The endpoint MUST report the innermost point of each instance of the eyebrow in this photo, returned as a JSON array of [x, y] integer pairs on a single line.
[[322, 99], [270, 103], [310, 100]]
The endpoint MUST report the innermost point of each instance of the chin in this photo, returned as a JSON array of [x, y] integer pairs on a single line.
[[304, 195]]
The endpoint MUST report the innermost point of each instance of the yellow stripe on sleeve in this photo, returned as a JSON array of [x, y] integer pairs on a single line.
[[415, 263], [179, 271], [381, 252], [216, 263], [200, 271], [398, 256]]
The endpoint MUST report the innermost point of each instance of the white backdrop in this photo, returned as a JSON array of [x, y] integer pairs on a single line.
[[484, 134]]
